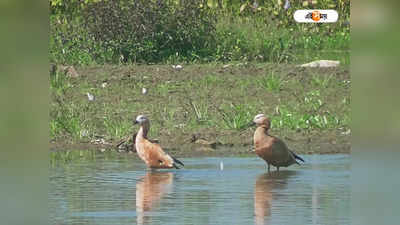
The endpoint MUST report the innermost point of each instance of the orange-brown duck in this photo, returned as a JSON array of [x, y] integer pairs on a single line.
[[273, 150], [151, 153]]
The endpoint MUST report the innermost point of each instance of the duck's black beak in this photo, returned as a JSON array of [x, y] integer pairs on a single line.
[[136, 122]]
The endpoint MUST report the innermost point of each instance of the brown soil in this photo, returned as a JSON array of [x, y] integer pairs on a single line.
[[122, 100]]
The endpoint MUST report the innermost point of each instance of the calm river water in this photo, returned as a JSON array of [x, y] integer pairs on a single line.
[[207, 191]]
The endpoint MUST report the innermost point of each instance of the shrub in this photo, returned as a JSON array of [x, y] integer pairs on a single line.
[[134, 31], [153, 31]]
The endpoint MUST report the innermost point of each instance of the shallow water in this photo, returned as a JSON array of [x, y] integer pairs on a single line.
[[236, 191]]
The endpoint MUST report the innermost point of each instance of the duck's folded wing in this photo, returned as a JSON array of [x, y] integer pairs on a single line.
[[156, 156], [282, 152]]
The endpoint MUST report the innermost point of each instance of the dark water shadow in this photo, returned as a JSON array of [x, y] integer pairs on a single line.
[[263, 193], [150, 189]]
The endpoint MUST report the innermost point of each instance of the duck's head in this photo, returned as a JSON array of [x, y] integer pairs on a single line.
[[262, 120], [141, 119]]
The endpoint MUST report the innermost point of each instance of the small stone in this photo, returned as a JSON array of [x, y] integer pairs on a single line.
[[177, 67], [206, 143], [144, 91], [322, 64], [202, 142], [90, 96]]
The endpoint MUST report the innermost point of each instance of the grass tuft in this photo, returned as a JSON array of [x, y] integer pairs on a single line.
[[236, 117], [271, 82]]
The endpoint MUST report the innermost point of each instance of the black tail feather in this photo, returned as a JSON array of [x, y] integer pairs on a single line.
[[297, 157], [177, 161]]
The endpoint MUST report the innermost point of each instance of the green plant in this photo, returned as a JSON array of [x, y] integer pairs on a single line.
[[130, 31], [121, 31], [312, 100], [58, 82], [321, 81], [165, 88], [210, 80], [66, 120], [117, 127], [289, 118], [271, 82], [201, 112], [236, 116]]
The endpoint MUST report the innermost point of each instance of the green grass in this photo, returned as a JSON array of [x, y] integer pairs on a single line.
[[293, 119], [236, 117], [117, 127], [192, 103], [58, 83], [271, 82], [66, 120], [319, 81], [211, 80], [201, 112], [265, 36]]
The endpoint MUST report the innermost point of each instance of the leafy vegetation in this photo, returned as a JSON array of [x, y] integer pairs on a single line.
[[257, 43], [271, 82], [126, 31], [202, 99]]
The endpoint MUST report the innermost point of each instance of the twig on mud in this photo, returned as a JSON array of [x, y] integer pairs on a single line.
[[125, 140]]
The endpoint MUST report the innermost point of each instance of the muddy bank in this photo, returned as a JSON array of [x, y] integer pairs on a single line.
[[321, 143], [201, 109]]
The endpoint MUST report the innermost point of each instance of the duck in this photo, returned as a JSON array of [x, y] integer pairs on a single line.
[[271, 149], [152, 153]]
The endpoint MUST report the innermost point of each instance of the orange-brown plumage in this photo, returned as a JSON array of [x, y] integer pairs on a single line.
[[151, 153], [149, 192], [262, 199], [273, 150]]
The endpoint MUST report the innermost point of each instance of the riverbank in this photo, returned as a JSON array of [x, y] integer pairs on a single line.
[[201, 109]]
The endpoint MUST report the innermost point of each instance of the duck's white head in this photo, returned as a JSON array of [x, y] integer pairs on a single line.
[[141, 119], [262, 120]]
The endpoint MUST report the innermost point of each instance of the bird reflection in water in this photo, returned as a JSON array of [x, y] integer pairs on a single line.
[[149, 191], [266, 185]]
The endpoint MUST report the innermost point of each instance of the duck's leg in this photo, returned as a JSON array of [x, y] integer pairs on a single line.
[[277, 168]]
